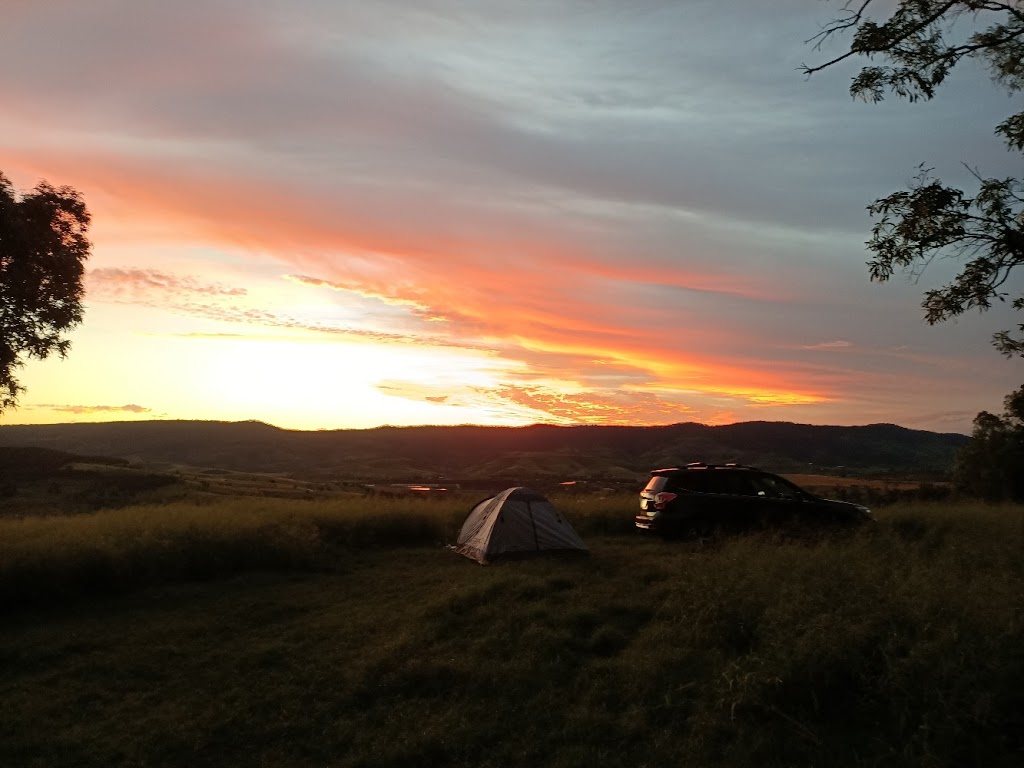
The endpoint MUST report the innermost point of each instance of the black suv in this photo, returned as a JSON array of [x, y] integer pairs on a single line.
[[697, 499]]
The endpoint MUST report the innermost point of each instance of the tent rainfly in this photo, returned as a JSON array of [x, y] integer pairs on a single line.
[[517, 522]]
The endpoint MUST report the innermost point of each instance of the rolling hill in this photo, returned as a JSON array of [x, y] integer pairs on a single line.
[[466, 453]]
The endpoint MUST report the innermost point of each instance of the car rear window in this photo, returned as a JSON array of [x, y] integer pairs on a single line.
[[696, 481], [703, 481], [655, 484]]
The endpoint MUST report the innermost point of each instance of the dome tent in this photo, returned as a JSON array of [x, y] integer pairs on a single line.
[[517, 522]]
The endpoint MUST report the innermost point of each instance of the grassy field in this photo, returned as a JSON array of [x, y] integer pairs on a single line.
[[266, 632]]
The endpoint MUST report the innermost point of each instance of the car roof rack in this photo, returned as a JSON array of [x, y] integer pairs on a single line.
[[704, 465]]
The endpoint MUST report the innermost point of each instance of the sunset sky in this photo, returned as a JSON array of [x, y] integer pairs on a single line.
[[347, 213]]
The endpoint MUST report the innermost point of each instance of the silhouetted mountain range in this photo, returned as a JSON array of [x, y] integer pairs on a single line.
[[422, 454]]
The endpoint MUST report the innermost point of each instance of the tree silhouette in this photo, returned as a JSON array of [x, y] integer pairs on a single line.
[[919, 43], [992, 465], [43, 248]]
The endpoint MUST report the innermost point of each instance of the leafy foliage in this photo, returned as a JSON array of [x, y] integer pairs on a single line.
[[920, 42], [43, 247], [992, 465]]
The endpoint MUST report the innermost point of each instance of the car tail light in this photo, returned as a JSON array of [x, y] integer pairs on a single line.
[[661, 499]]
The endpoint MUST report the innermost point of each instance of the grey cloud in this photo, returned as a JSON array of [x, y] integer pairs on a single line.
[[651, 106], [665, 114], [828, 345]]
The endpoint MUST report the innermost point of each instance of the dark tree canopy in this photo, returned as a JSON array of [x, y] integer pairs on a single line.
[[916, 44], [43, 248], [992, 465]]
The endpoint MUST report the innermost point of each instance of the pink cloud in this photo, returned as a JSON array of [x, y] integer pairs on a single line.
[[135, 285]]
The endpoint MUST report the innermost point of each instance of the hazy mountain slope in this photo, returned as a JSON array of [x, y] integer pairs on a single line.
[[423, 453]]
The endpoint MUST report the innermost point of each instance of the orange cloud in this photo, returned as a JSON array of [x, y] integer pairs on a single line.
[[415, 306], [80, 409], [517, 293], [596, 407], [547, 403]]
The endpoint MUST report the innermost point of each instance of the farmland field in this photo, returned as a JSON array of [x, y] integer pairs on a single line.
[[315, 633]]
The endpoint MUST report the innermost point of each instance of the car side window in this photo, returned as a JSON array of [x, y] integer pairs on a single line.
[[775, 488], [742, 484]]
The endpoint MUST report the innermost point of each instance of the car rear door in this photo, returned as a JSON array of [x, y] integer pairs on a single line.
[[699, 505]]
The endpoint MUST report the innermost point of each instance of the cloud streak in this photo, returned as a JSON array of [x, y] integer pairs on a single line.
[[138, 285], [828, 345], [79, 410]]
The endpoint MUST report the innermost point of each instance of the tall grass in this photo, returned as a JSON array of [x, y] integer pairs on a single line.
[[904, 643], [898, 644], [115, 550], [120, 549]]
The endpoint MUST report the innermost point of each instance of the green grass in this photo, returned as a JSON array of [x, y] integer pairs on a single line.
[[323, 644]]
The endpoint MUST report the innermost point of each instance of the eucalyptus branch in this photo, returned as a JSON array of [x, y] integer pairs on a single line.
[[985, 231], [856, 20]]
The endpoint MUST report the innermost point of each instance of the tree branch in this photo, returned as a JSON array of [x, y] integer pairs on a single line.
[[839, 25], [855, 20]]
